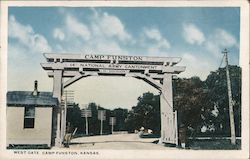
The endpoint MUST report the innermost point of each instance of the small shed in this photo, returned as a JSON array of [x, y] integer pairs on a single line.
[[30, 117]]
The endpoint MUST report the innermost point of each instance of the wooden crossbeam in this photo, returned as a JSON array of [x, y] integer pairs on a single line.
[[64, 57], [70, 74], [77, 77], [147, 79]]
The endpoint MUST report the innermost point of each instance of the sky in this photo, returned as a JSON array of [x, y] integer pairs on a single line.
[[196, 34]]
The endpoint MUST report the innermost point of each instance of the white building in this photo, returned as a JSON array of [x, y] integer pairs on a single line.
[[30, 118]]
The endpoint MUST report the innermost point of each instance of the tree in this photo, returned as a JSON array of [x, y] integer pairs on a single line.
[[189, 100], [121, 116], [74, 118], [145, 114], [95, 123], [218, 98]]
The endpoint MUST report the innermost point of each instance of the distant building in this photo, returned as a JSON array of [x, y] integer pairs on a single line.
[[30, 118]]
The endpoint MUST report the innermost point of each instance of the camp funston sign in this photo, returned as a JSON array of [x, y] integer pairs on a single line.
[[150, 69]]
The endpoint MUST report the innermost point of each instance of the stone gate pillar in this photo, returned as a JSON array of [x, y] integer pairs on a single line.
[[167, 116], [57, 93]]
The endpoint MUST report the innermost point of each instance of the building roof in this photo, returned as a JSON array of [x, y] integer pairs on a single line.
[[27, 98]]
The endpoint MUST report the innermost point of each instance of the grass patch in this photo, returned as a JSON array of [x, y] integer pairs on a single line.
[[213, 144], [43, 146]]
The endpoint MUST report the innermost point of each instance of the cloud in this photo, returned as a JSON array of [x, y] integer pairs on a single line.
[[153, 33], [215, 42], [26, 36], [219, 40], [154, 42], [25, 50], [111, 47], [102, 32], [58, 34], [77, 28], [99, 33], [196, 66], [192, 34], [224, 38], [100, 25], [110, 26]]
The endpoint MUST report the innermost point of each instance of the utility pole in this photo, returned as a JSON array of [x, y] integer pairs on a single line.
[[231, 111], [112, 122], [101, 116], [101, 122], [67, 99], [86, 113], [65, 113], [86, 123]]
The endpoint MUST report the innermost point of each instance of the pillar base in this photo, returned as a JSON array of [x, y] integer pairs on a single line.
[[160, 142], [58, 142]]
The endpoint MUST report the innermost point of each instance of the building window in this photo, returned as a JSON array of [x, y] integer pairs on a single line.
[[29, 117]]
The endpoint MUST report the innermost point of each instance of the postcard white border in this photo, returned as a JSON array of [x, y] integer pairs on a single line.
[[244, 63]]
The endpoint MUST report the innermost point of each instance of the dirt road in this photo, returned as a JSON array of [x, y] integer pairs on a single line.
[[116, 142]]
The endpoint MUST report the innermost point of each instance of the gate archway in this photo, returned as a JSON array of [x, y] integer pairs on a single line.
[[150, 69]]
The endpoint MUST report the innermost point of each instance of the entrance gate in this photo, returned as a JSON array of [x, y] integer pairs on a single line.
[[150, 69]]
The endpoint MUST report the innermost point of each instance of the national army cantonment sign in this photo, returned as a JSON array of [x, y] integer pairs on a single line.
[[150, 69], [82, 66]]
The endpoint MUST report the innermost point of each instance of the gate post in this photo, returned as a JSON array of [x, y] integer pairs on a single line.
[[176, 127], [57, 93], [167, 115]]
